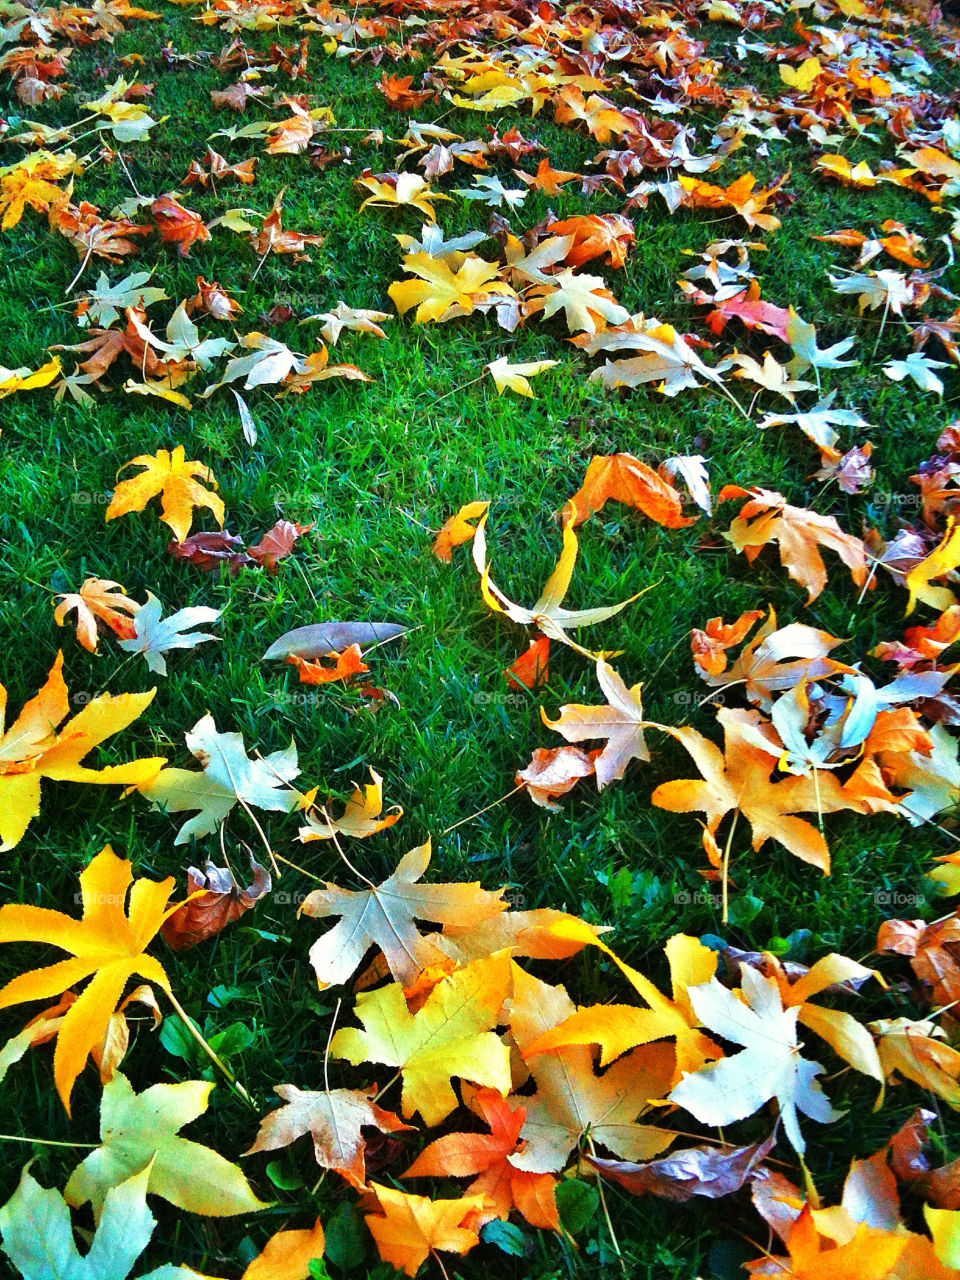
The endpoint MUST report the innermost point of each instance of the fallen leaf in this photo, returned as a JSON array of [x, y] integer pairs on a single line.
[[334, 1119], [360, 818], [384, 916], [175, 481], [451, 1035], [107, 943], [139, 1131]]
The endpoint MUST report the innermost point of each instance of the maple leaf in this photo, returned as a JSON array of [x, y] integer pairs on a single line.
[[739, 781], [619, 1027], [99, 599], [450, 1035], [217, 170], [694, 1171], [346, 664], [456, 529], [803, 339], [620, 722], [34, 1213], [410, 1228], [666, 357], [316, 367], [777, 658], [360, 818], [178, 225], [942, 560], [553, 772], [919, 369], [107, 944], [104, 303], [287, 1255], [139, 1132], [608, 236], [213, 300], [504, 1188], [407, 189], [214, 901], [599, 115], [334, 1118], [343, 317], [31, 748], [491, 192], [272, 238], [177, 482], [270, 361], [870, 1253], [918, 1051], [383, 916], [548, 613], [798, 532], [888, 289], [571, 1101], [818, 423], [441, 293], [514, 376], [547, 179], [587, 304], [228, 777], [399, 95], [32, 182], [745, 306], [183, 339], [768, 1066], [769, 376], [155, 636], [842, 1032], [236, 96], [620, 477], [741, 196]]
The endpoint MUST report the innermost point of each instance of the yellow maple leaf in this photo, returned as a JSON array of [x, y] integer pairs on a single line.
[[108, 944], [452, 1034], [176, 481], [31, 748], [439, 290], [409, 189]]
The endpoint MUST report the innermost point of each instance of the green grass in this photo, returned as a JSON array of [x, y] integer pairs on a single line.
[[374, 468]]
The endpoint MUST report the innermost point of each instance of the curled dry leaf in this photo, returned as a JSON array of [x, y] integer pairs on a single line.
[[361, 815], [215, 899]]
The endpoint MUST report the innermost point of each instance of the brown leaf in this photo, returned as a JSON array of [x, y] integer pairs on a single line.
[[221, 902], [696, 1171], [208, 550], [277, 543]]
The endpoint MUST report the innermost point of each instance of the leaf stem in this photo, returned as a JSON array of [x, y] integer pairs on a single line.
[[209, 1050], [725, 873], [47, 1142]]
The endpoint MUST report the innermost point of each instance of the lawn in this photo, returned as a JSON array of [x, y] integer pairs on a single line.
[[374, 469]]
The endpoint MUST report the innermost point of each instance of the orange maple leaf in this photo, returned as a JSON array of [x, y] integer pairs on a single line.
[[461, 1155]]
